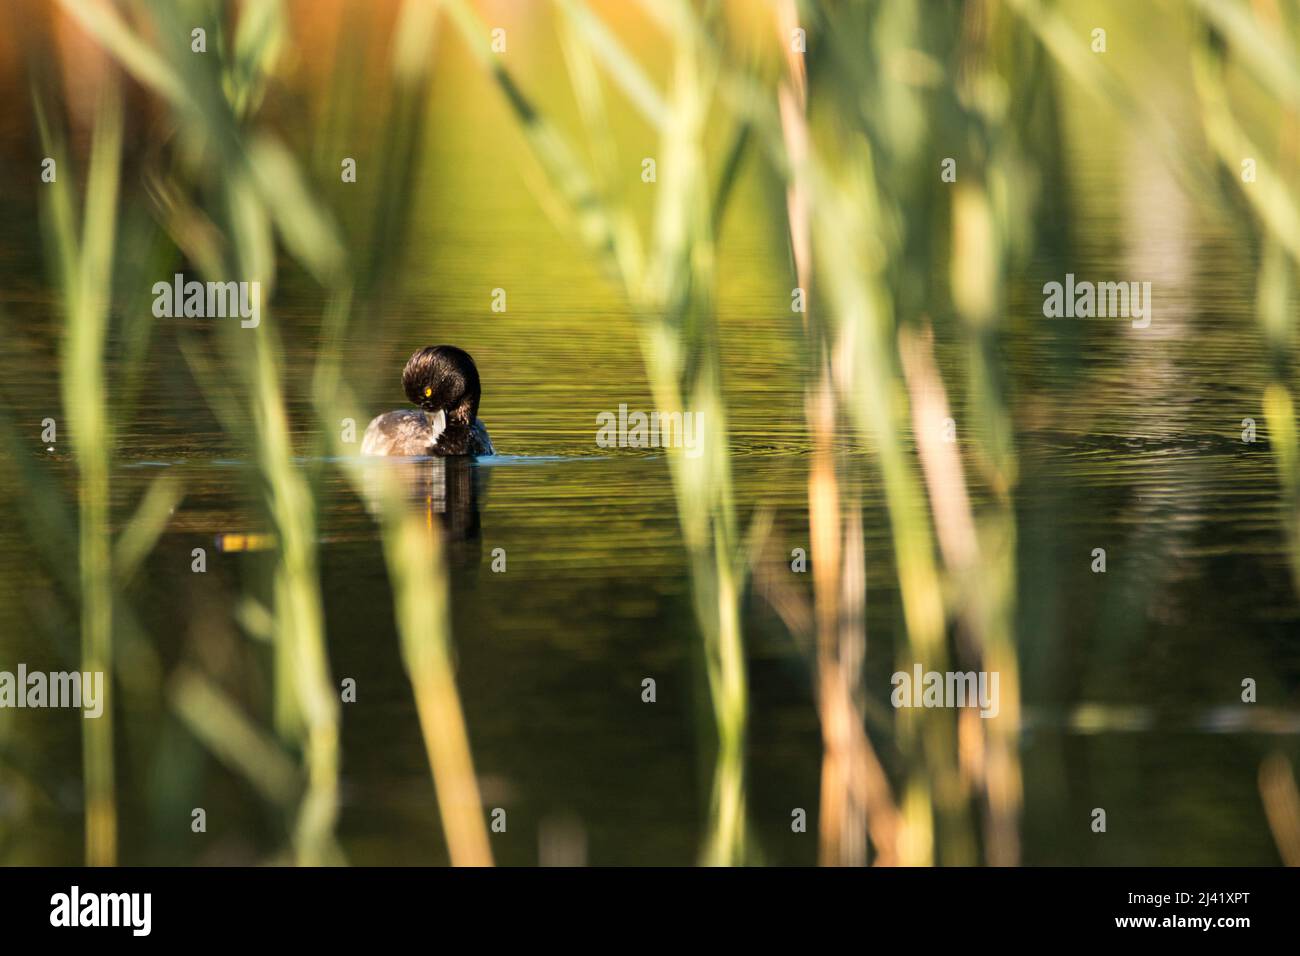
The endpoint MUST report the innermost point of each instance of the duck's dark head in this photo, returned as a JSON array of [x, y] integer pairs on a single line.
[[443, 378]]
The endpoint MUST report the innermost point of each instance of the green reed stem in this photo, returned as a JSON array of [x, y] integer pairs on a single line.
[[670, 294], [86, 270]]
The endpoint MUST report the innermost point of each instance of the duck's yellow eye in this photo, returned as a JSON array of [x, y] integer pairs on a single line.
[[428, 390]]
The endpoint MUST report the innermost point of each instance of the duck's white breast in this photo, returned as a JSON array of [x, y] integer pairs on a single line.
[[408, 431]]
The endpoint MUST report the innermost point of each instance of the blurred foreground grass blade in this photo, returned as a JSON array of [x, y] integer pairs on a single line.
[[302, 223], [259, 35], [1269, 198], [60, 215], [248, 193], [413, 555], [216, 720], [413, 552], [414, 44], [413, 549], [238, 190], [86, 268], [980, 551], [621, 66], [83, 403], [300, 635], [1277, 211], [584, 80], [101, 20], [1280, 412], [671, 297], [683, 365], [1281, 799], [1262, 47], [142, 531], [1062, 42], [561, 163]]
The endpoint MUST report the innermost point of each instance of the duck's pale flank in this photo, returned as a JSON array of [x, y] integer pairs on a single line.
[[443, 381]]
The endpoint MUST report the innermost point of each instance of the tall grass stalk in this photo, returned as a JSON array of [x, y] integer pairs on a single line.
[[413, 547], [413, 550], [413, 553], [670, 293], [855, 173], [260, 192], [856, 796], [80, 257], [980, 551], [260, 196], [86, 266], [1276, 217], [1266, 50], [861, 310]]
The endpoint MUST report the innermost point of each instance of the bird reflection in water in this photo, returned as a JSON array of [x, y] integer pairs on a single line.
[[448, 490]]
